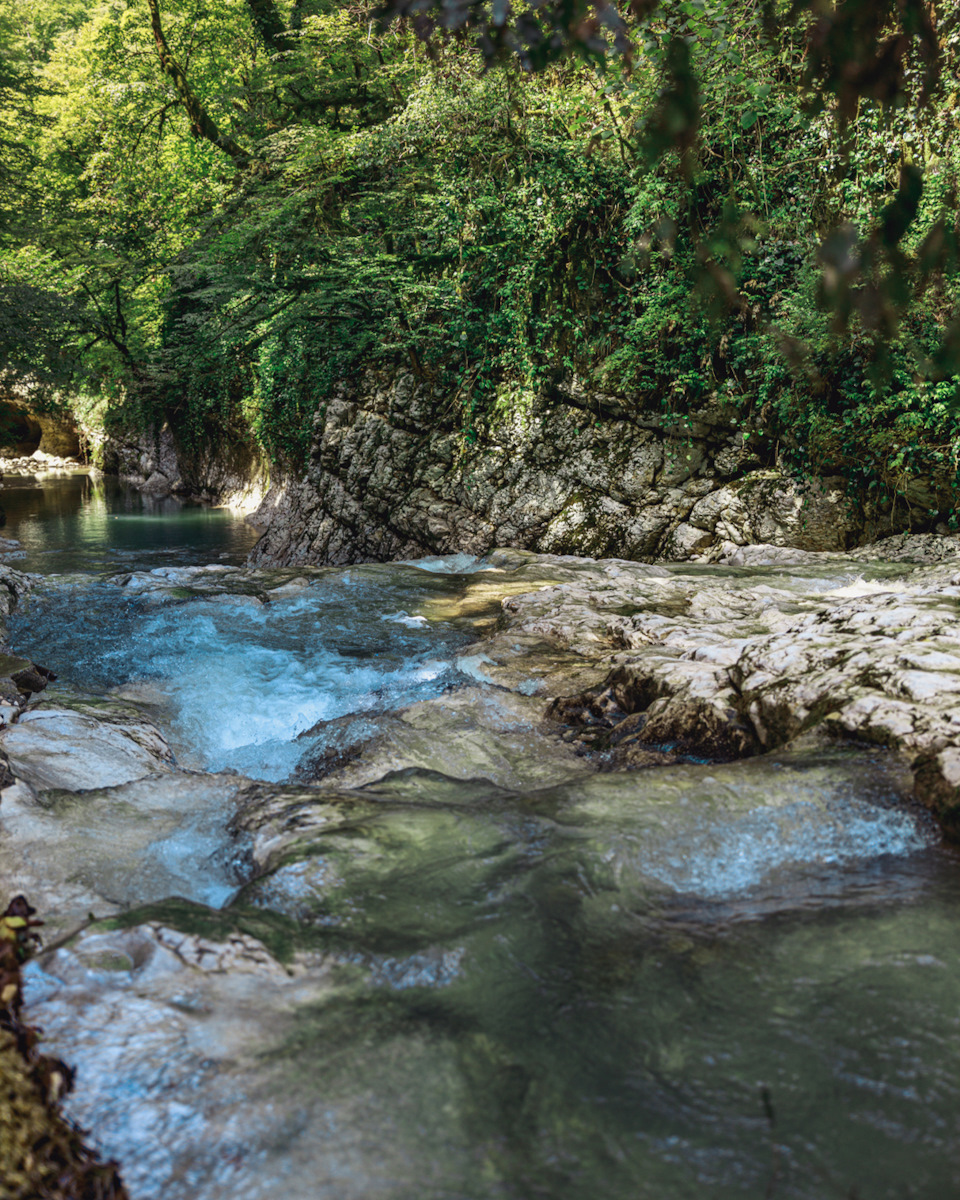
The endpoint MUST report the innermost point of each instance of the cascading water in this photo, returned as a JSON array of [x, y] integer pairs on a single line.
[[237, 680], [716, 980]]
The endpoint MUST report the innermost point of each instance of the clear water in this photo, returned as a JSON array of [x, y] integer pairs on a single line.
[[84, 522], [696, 981], [523, 996], [239, 680], [592, 1033]]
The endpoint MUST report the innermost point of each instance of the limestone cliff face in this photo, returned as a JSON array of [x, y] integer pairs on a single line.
[[391, 475], [232, 475]]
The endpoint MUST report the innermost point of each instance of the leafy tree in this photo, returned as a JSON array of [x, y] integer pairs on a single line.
[[677, 203], [889, 51]]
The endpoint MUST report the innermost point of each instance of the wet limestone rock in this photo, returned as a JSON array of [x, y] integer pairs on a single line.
[[471, 733], [176, 1029], [14, 585], [41, 1153], [937, 784], [83, 745], [724, 668], [27, 678], [883, 668], [105, 849]]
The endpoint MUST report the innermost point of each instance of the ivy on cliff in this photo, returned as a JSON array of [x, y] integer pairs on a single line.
[[394, 204]]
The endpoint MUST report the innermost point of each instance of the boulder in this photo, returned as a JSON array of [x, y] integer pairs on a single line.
[[56, 747]]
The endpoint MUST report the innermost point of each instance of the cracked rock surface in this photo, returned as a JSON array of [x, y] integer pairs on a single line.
[[391, 475], [725, 668]]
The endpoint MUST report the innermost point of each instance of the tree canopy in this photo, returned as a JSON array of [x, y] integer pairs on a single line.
[[211, 215]]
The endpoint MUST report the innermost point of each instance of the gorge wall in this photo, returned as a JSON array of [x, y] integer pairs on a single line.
[[231, 473], [392, 474]]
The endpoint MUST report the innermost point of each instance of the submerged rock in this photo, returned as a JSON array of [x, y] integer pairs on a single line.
[[169, 1032], [361, 1015], [353, 953], [31, 678], [469, 733]]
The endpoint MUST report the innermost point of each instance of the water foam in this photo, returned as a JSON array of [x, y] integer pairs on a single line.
[[737, 854], [449, 564], [727, 830], [242, 686], [235, 681]]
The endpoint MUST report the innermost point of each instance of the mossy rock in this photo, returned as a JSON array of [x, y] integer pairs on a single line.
[[11, 663]]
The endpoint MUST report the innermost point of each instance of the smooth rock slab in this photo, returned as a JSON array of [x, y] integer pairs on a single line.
[[212, 1071], [468, 734], [61, 748], [97, 851]]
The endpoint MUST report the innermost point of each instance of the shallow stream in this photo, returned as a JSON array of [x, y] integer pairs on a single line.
[[698, 980]]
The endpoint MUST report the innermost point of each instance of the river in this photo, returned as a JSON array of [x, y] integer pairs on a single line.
[[696, 980]]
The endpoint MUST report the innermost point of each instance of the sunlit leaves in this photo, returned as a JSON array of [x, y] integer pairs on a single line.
[[675, 220]]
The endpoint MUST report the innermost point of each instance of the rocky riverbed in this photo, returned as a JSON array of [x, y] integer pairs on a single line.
[[528, 738]]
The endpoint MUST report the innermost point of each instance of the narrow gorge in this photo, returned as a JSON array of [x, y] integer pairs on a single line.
[[479, 600], [356, 877]]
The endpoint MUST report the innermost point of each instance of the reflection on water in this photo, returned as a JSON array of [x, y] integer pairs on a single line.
[[86, 522]]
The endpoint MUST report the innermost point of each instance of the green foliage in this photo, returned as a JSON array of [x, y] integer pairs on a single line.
[[680, 229]]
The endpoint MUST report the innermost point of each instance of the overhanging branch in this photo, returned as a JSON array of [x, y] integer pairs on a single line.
[[202, 125]]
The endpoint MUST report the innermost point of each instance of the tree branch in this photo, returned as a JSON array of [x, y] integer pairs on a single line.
[[202, 125]]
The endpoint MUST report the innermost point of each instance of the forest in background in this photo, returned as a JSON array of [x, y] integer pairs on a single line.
[[210, 214]]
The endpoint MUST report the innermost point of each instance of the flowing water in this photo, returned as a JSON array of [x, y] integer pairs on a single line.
[[696, 981], [239, 681]]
